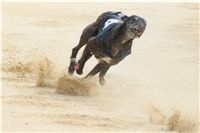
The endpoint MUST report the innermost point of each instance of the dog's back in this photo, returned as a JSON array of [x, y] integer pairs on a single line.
[[108, 21]]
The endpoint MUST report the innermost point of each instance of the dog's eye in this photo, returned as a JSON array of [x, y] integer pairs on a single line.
[[135, 29], [136, 18]]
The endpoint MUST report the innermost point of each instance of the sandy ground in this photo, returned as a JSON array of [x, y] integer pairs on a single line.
[[154, 89]]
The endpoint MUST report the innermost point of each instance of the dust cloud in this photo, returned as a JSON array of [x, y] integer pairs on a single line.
[[154, 89]]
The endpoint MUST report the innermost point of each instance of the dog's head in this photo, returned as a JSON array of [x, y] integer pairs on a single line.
[[135, 26]]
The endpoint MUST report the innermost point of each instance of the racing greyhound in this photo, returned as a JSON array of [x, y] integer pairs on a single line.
[[109, 39]]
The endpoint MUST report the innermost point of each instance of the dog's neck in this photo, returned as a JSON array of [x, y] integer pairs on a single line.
[[126, 35], [122, 36]]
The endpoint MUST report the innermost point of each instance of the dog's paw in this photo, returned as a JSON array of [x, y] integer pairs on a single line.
[[102, 82], [79, 72], [73, 66]]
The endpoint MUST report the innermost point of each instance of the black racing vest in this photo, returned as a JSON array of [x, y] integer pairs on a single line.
[[105, 30], [108, 22], [110, 16]]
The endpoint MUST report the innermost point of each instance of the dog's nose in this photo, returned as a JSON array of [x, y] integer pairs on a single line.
[[136, 27], [142, 22]]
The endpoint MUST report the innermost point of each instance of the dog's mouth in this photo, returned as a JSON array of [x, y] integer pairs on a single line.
[[136, 32], [139, 33]]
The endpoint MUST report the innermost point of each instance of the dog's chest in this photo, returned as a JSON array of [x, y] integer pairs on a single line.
[[107, 60]]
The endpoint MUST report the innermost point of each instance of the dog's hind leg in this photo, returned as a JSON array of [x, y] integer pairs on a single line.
[[81, 63], [88, 32], [87, 53]]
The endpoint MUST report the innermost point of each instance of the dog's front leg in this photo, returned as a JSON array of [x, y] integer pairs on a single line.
[[100, 67], [95, 70], [103, 73]]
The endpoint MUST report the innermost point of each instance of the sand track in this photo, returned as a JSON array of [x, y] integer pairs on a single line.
[[154, 89]]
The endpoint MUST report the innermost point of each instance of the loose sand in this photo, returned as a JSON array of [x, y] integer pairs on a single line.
[[154, 89]]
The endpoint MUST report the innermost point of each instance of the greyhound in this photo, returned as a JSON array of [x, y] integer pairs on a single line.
[[109, 39]]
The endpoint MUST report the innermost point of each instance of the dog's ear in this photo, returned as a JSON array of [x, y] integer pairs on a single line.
[[131, 18], [124, 18]]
